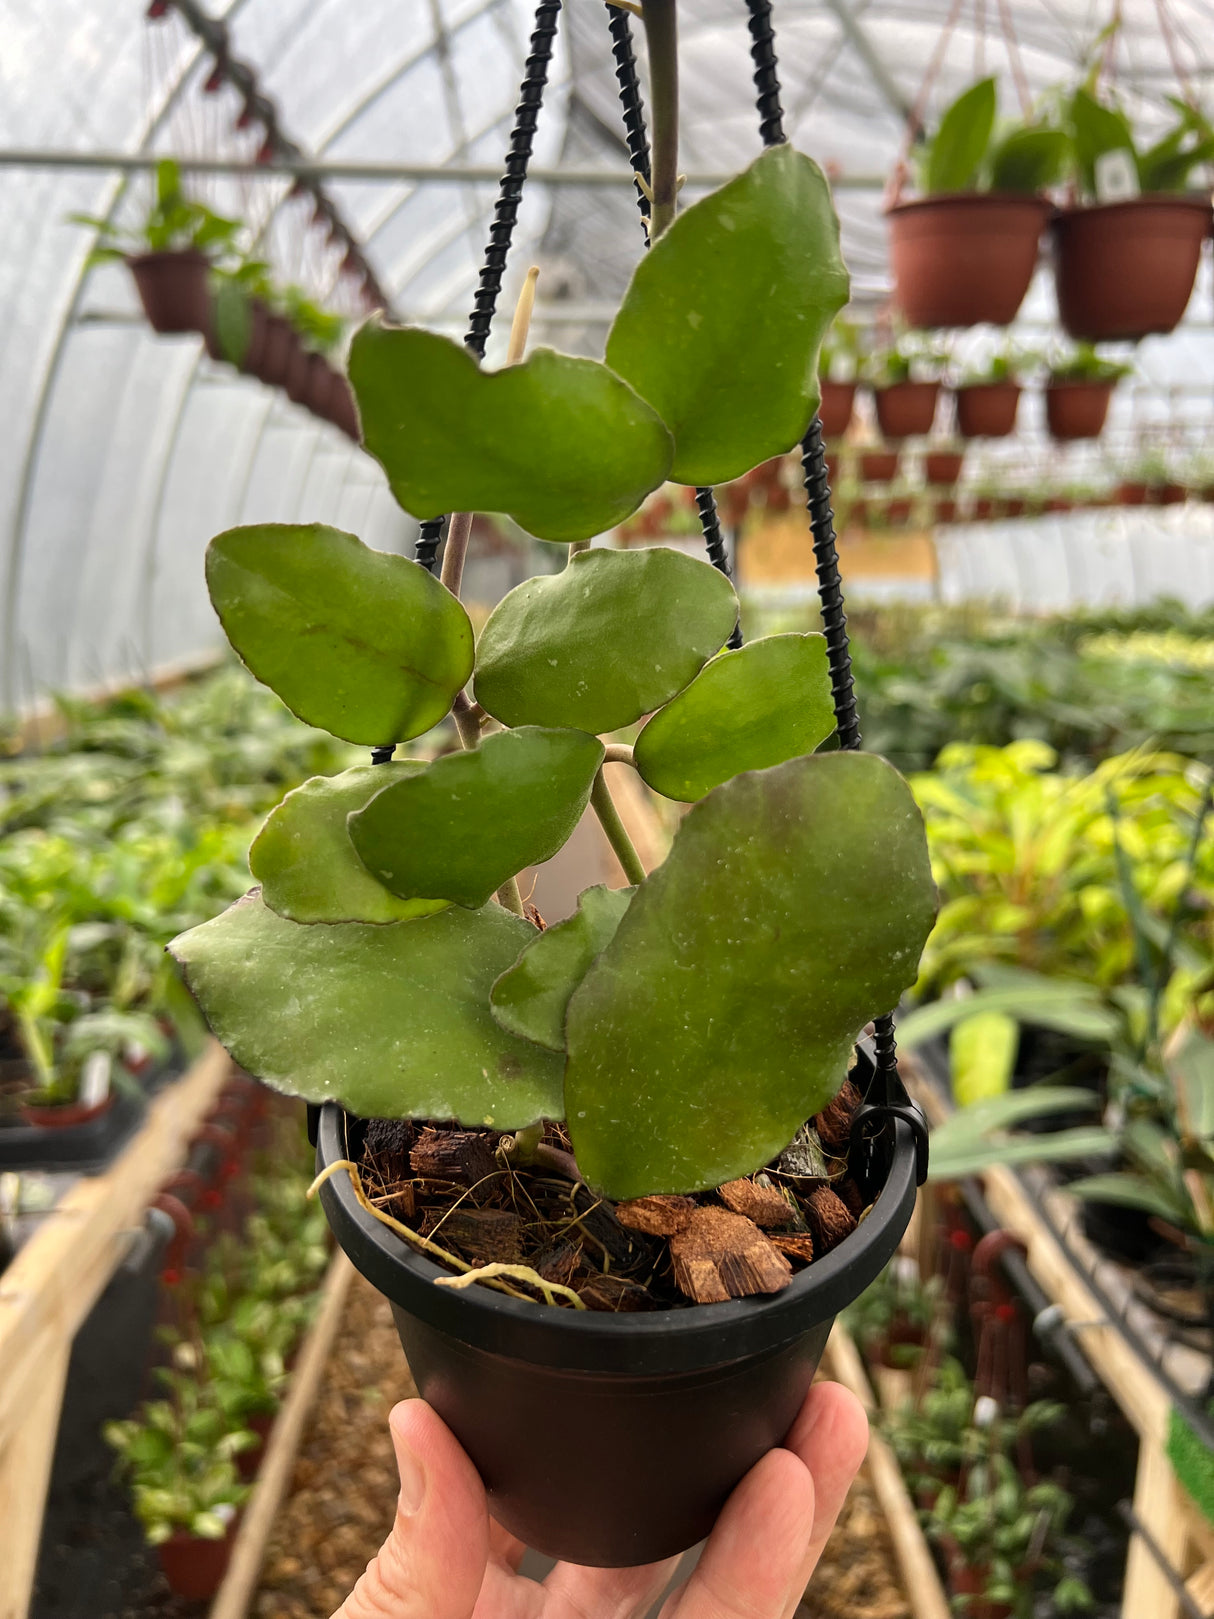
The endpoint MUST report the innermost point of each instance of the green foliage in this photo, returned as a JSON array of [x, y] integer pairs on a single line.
[[180, 1457], [1083, 364], [319, 329], [1098, 127], [721, 326], [746, 710], [968, 152], [464, 825], [559, 444], [173, 222], [982, 1055], [610, 639], [306, 864], [532, 997], [342, 1030], [715, 972], [975, 1136], [387, 646]]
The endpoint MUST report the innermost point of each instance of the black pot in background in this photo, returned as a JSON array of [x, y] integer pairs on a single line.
[[613, 1440]]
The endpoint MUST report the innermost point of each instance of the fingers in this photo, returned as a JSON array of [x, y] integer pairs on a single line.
[[572, 1592], [755, 1563], [830, 1436], [432, 1564]]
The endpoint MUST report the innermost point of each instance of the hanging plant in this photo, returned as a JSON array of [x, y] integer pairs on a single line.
[[1078, 392], [905, 379], [838, 375], [988, 396], [1126, 257], [169, 254], [648, 1066], [965, 250]]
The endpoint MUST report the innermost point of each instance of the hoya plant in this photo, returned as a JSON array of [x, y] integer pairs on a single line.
[[172, 223], [971, 150], [685, 1026]]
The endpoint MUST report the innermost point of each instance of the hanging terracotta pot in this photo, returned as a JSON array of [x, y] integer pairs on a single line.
[[174, 289], [1123, 269], [251, 360], [987, 409], [943, 466], [946, 511], [835, 411], [342, 411], [1059, 503], [906, 408], [983, 508], [1014, 506], [1076, 409], [1130, 492], [275, 352], [964, 259], [1167, 494], [299, 372], [898, 511], [321, 378], [878, 466]]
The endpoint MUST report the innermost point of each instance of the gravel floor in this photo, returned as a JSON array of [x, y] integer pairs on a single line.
[[326, 1534]]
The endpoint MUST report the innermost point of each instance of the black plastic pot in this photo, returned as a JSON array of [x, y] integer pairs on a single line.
[[603, 1439]]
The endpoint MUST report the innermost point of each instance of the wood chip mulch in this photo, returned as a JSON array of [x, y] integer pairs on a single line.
[[326, 1533]]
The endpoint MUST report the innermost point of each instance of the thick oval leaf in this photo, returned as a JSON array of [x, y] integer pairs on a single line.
[[721, 326], [306, 864], [531, 999], [460, 827], [361, 643], [960, 144], [392, 1022], [791, 908], [612, 637], [560, 444], [746, 710]]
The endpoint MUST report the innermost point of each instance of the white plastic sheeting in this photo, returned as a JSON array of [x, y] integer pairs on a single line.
[[122, 452]]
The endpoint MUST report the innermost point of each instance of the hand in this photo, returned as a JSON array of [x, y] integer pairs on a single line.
[[447, 1559]]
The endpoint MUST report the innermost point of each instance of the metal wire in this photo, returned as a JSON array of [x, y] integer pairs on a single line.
[[624, 52], [505, 217]]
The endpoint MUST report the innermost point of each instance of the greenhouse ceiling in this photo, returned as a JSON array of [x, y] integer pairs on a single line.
[[124, 451]]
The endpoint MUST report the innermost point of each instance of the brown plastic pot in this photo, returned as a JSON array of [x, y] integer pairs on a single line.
[[667, 1409], [276, 350], [983, 508], [835, 411], [971, 1583], [298, 377], [1167, 494], [943, 467], [961, 260], [878, 466], [1059, 503], [1131, 493], [898, 511], [946, 511], [987, 409], [342, 410], [1076, 409], [67, 1114], [905, 409], [321, 378], [1123, 269], [1014, 506], [193, 1567], [174, 289]]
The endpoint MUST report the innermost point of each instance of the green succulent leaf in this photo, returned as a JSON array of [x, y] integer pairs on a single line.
[[612, 637], [459, 828], [306, 864], [746, 710], [1028, 159], [721, 326], [391, 1022], [560, 444], [361, 643], [791, 909], [532, 997]]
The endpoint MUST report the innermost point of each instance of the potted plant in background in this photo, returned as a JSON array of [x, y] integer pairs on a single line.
[[542, 1043], [317, 333], [1078, 391], [1126, 257], [905, 379], [838, 371], [988, 397], [965, 250], [942, 467], [170, 255]]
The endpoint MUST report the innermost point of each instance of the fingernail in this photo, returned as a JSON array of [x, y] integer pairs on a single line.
[[412, 1474]]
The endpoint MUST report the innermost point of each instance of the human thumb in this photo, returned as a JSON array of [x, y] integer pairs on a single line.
[[433, 1563]]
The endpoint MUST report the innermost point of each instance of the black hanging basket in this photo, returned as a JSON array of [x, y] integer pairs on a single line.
[[615, 1439]]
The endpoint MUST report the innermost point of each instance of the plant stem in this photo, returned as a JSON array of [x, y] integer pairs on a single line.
[[455, 550], [661, 36], [617, 836], [521, 325], [619, 753]]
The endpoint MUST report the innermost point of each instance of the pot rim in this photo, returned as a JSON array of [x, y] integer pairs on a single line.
[[1179, 200], [1088, 384], [963, 200], [652, 1342], [177, 255]]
